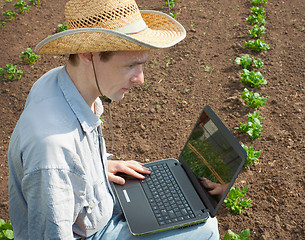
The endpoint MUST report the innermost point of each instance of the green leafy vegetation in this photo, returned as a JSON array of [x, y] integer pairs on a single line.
[[62, 27], [170, 3], [22, 6], [34, 2], [253, 126], [3, 23], [257, 31], [246, 61], [256, 11], [257, 45], [258, 2], [236, 202], [9, 15], [244, 235], [10, 72], [253, 100], [252, 156], [29, 56], [252, 79], [6, 230], [258, 63], [256, 19]]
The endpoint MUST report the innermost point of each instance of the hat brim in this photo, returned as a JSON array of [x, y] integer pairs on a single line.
[[163, 31]]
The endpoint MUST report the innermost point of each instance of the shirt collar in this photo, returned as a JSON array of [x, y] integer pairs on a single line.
[[87, 119]]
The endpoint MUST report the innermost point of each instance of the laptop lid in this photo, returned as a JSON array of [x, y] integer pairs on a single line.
[[212, 152]]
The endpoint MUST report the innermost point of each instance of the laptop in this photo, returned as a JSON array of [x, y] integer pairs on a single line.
[[173, 195]]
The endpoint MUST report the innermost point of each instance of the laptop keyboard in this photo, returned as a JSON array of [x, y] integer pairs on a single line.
[[165, 197]]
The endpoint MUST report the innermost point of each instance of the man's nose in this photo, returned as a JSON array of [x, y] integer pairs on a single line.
[[139, 77]]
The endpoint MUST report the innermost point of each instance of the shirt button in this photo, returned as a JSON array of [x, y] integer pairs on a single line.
[[91, 205]]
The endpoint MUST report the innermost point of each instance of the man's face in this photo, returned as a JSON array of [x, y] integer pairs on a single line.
[[118, 74]]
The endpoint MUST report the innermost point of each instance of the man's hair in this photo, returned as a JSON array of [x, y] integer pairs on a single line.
[[104, 56]]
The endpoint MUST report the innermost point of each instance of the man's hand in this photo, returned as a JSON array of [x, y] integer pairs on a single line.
[[132, 168], [215, 189]]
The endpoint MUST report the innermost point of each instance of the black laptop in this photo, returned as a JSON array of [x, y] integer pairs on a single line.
[[173, 196]]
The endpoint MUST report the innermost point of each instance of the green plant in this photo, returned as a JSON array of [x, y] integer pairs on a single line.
[[253, 126], [29, 56], [9, 15], [22, 6], [257, 45], [257, 31], [244, 61], [244, 235], [253, 100], [9, 72], [256, 19], [3, 23], [256, 11], [170, 3], [235, 201], [62, 27], [34, 2], [6, 230], [252, 156], [258, 2], [258, 63], [252, 79]]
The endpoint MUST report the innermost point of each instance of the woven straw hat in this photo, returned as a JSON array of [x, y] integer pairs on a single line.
[[111, 25]]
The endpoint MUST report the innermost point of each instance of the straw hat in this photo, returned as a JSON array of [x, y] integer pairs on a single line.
[[111, 25]]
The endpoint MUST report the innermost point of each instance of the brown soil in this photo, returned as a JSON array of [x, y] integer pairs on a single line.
[[153, 121]]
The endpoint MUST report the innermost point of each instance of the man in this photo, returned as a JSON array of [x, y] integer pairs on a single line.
[[59, 173]]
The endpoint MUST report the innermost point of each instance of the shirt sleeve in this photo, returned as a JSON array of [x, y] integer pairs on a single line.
[[54, 198]]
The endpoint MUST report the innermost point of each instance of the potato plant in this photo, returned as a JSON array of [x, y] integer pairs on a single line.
[[62, 27], [257, 45], [258, 11], [257, 31], [256, 19], [9, 15], [6, 230], [22, 6], [34, 2], [258, 2], [235, 201], [252, 79], [253, 126], [10, 72], [252, 156], [253, 100], [29, 56], [244, 235]]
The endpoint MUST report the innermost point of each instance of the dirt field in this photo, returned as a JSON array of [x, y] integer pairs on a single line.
[[154, 120]]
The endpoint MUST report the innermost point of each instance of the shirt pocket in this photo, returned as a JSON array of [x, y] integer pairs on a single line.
[[98, 207]]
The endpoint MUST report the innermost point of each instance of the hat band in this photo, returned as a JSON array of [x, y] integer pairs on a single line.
[[134, 27]]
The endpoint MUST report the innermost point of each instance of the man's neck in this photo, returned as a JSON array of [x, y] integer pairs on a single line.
[[84, 83]]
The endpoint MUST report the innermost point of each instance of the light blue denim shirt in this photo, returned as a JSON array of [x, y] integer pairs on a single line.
[[58, 187]]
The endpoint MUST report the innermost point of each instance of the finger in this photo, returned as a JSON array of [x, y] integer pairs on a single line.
[[116, 179], [137, 166], [133, 173]]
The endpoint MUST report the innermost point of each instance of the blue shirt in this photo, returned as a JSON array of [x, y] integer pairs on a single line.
[[58, 186]]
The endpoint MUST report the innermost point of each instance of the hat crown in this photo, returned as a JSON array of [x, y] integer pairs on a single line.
[[107, 14]]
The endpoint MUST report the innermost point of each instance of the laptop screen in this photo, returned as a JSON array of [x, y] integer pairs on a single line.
[[213, 157]]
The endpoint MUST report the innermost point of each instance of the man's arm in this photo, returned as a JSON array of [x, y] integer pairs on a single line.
[[51, 196]]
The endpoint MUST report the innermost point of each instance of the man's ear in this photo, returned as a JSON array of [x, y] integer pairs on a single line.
[[85, 57]]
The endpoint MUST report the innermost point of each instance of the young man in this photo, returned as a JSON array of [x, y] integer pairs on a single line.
[[59, 173]]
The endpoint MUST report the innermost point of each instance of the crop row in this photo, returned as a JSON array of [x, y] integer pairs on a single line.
[[253, 127]]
